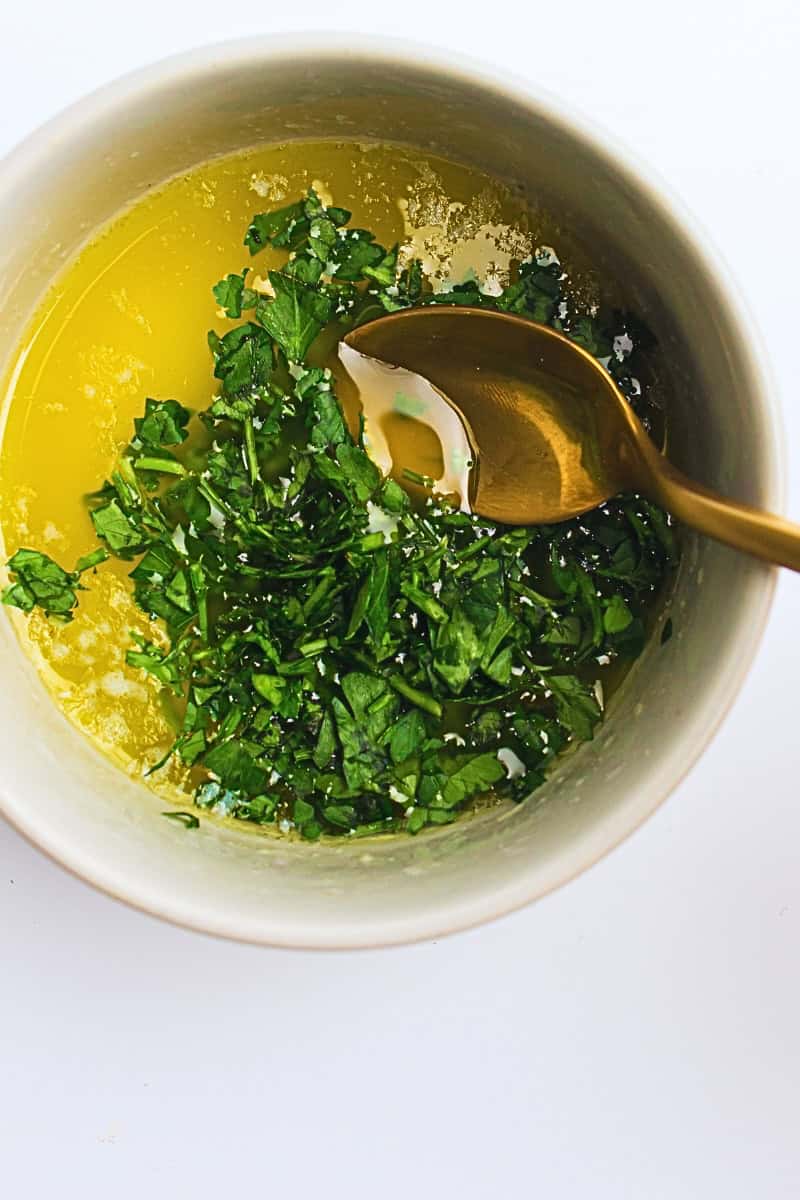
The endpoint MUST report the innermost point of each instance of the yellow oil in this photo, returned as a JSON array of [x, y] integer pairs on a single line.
[[410, 426], [128, 319]]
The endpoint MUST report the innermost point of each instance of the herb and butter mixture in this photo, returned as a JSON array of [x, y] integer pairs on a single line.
[[340, 653]]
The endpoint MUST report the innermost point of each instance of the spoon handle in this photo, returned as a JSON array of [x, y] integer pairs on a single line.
[[761, 534]]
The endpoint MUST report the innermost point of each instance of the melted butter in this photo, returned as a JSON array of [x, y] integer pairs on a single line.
[[410, 426]]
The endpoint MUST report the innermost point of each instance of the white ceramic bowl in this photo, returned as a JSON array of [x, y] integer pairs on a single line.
[[76, 172]]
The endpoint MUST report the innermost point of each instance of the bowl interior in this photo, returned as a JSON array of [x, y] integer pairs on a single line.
[[75, 175]]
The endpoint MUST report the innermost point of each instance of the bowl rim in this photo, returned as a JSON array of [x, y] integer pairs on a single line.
[[29, 154]]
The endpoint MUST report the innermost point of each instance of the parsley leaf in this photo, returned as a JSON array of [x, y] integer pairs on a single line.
[[576, 705], [476, 775], [274, 228], [40, 581], [295, 315], [233, 296], [163, 424], [118, 529], [235, 767], [242, 358]]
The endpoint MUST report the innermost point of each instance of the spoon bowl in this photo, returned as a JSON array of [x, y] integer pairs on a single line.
[[546, 429], [552, 434]]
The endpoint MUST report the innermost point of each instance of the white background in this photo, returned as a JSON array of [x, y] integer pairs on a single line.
[[636, 1034]]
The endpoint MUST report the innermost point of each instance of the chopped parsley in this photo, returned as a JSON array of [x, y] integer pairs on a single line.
[[330, 677], [187, 820]]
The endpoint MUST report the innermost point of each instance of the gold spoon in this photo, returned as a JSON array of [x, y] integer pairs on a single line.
[[553, 436]]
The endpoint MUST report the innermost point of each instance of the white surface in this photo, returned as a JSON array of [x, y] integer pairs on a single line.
[[636, 1034]]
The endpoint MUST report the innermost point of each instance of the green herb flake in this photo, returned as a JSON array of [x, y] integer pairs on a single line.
[[186, 819]]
